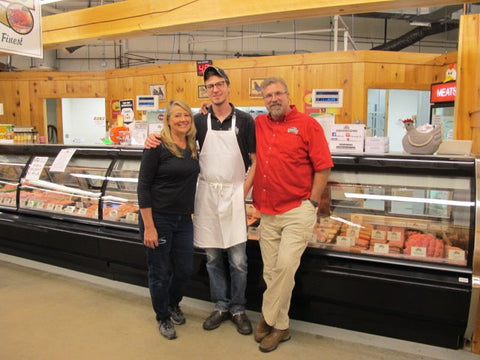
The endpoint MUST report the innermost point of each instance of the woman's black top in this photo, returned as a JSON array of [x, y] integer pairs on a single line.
[[167, 183]]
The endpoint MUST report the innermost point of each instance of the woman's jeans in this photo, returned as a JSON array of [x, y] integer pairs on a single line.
[[170, 265], [228, 295]]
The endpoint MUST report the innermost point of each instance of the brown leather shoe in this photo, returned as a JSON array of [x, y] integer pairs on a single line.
[[261, 330], [271, 341]]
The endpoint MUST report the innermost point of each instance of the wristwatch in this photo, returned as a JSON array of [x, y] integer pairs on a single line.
[[314, 203]]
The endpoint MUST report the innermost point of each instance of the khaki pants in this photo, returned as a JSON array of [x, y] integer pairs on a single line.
[[283, 240]]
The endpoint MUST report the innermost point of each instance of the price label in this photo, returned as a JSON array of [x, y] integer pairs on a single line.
[[458, 255], [325, 222], [69, 209], [357, 218], [418, 251], [353, 232], [394, 235], [58, 208], [36, 167], [50, 207], [344, 241], [378, 235], [31, 203], [131, 217], [39, 205], [82, 211], [380, 248]]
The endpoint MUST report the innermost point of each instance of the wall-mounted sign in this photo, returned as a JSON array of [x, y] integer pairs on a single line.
[[324, 98], [21, 27], [443, 92], [202, 65], [147, 102], [126, 109]]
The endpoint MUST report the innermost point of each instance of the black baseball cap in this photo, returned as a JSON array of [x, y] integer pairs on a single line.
[[213, 70]]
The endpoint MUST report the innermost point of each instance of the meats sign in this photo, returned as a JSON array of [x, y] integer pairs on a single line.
[[20, 27], [443, 92]]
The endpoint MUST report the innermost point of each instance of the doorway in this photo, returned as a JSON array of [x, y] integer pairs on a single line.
[[76, 121], [388, 107]]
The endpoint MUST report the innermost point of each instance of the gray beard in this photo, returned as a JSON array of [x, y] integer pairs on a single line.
[[276, 112]]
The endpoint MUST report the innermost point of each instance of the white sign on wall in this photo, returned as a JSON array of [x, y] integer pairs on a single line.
[[21, 27]]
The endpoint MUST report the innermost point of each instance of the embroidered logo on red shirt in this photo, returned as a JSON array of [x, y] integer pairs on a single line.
[[293, 130]]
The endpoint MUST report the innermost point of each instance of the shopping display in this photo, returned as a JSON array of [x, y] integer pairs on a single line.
[[392, 230]]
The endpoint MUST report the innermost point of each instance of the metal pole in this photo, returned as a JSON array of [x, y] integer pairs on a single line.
[[335, 33]]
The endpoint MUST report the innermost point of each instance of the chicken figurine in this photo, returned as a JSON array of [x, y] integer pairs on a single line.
[[421, 142]]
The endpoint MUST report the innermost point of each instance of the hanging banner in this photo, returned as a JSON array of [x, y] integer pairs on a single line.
[[21, 27]]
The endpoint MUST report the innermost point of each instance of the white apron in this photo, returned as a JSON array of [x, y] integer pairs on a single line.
[[220, 220]]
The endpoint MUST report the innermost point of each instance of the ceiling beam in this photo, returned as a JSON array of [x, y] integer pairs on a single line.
[[133, 18]]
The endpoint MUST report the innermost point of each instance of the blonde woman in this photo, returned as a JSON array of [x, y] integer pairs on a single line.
[[166, 193]]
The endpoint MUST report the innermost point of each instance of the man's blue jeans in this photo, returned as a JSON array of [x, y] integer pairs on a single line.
[[228, 295], [170, 265]]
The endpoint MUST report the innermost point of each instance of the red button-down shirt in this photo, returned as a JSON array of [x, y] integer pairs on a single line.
[[289, 152]]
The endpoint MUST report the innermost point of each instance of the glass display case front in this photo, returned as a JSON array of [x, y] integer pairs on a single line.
[[407, 216], [11, 168], [120, 203], [413, 216], [73, 191]]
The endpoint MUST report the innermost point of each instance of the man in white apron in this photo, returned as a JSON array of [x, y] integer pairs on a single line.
[[226, 137], [227, 148]]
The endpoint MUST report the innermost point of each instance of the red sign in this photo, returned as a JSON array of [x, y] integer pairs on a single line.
[[202, 65], [443, 92]]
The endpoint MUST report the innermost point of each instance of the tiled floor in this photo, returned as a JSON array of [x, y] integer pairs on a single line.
[[53, 313]]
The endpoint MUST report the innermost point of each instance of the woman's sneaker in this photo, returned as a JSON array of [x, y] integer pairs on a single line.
[[167, 329], [176, 315]]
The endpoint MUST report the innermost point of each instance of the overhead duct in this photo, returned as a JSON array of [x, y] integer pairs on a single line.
[[434, 22], [415, 35]]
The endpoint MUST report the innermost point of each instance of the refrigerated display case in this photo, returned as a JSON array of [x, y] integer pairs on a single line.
[[11, 169], [392, 252], [120, 203]]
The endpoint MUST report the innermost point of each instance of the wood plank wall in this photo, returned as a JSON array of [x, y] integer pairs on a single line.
[[467, 107], [23, 94], [467, 111], [353, 71]]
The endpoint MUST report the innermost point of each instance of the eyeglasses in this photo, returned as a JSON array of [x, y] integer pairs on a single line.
[[276, 94], [219, 85]]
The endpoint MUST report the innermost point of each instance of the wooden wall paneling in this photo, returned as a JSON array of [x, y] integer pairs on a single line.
[[236, 85], [350, 70], [358, 93], [21, 105], [468, 81], [299, 77], [6, 99], [332, 76], [59, 111], [418, 77], [184, 87], [388, 73], [244, 80]]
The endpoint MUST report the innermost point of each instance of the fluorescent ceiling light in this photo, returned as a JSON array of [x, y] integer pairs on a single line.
[[409, 199], [420, 23]]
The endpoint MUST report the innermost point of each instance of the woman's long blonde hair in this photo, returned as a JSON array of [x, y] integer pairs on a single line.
[[166, 133]]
